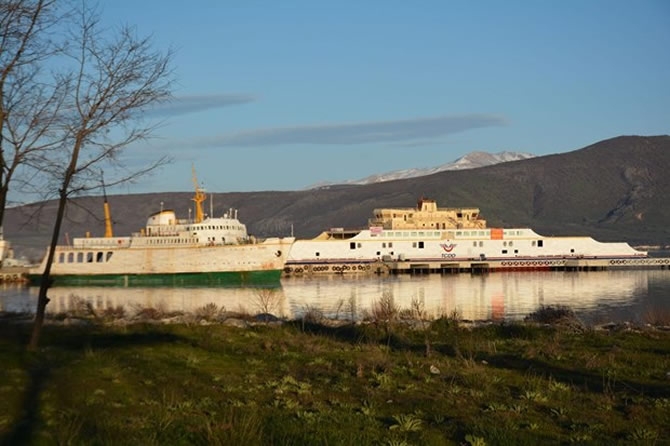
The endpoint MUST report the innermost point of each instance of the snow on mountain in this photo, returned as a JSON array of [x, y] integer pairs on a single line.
[[472, 160]]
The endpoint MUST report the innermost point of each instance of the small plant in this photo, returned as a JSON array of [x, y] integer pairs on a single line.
[[269, 300], [312, 315], [149, 313], [385, 309], [368, 409], [209, 312], [338, 308], [642, 433], [407, 423], [114, 313], [557, 386], [659, 317], [495, 407], [559, 412], [475, 441], [555, 315], [532, 395], [397, 442]]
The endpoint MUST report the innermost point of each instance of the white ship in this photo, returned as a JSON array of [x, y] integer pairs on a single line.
[[431, 234], [170, 252]]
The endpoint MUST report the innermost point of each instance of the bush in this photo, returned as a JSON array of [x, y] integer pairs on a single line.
[[551, 315]]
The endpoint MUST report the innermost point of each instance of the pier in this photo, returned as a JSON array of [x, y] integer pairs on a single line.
[[566, 264], [475, 266], [13, 274]]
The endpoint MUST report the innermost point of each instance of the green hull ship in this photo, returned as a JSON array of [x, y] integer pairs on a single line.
[[205, 251]]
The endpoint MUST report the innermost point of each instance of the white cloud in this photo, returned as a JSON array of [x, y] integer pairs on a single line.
[[189, 104], [352, 133]]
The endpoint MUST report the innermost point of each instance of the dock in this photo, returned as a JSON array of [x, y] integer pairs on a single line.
[[566, 264], [13, 274], [474, 266]]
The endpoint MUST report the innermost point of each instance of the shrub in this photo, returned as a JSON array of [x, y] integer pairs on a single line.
[[551, 314]]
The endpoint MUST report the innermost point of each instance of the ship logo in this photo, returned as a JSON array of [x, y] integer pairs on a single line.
[[448, 248]]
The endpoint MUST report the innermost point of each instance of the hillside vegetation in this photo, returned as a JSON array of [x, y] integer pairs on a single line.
[[614, 190]]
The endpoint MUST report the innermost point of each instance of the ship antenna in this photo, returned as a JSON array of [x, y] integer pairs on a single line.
[[198, 198], [108, 213]]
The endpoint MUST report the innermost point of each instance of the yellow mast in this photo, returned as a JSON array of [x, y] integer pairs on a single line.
[[198, 198], [108, 213]]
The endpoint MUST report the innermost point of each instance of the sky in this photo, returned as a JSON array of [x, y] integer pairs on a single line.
[[284, 95]]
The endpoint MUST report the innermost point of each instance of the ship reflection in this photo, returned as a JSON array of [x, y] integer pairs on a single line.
[[498, 296]]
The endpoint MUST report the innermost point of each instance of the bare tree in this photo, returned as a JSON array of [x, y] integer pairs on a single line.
[[114, 80], [29, 102]]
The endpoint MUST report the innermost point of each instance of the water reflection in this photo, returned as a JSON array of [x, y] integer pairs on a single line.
[[596, 296]]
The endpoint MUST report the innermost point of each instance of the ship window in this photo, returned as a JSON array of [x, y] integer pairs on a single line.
[[511, 243], [504, 243], [379, 253], [421, 233], [352, 245], [504, 251], [459, 215], [383, 245], [572, 250], [109, 255], [413, 244], [532, 243], [317, 254], [61, 258], [420, 245], [413, 234], [70, 257], [516, 251], [390, 244], [358, 245], [540, 243], [89, 257], [99, 257], [481, 244], [80, 257], [459, 233]]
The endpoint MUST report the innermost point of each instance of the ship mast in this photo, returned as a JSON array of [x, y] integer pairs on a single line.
[[198, 198], [108, 213]]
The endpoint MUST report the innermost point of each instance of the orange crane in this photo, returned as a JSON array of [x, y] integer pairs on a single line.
[[108, 213], [199, 198]]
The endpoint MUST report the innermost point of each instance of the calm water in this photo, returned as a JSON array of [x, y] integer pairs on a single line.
[[598, 296]]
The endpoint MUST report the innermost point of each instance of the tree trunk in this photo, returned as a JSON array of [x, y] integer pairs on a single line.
[[42, 299]]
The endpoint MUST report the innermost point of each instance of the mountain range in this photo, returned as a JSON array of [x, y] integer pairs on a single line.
[[472, 160], [613, 190]]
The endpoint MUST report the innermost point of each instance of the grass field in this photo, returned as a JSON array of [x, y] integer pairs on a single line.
[[382, 382]]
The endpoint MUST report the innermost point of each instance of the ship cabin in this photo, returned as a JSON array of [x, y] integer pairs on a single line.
[[427, 216]]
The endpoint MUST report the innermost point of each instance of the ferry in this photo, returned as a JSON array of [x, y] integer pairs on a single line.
[[442, 235], [204, 251]]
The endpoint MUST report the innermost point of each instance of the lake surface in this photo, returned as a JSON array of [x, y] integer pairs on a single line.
[[597, 296]]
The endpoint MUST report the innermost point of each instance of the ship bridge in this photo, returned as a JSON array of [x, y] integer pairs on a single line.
[[427, 215]]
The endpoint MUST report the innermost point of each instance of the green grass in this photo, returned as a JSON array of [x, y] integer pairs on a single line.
[[310, 384]]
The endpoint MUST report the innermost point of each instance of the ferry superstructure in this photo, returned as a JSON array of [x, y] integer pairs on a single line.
[[171, 252], [431, 234]]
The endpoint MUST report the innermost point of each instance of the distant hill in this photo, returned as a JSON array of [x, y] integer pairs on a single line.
[[614, 190], [471, 160]]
